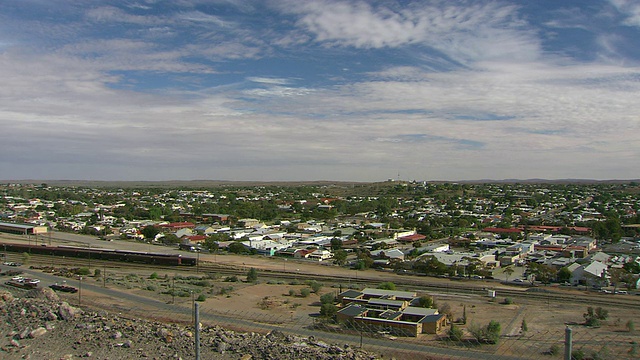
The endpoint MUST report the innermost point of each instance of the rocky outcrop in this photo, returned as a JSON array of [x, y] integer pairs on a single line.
[[42, 327]]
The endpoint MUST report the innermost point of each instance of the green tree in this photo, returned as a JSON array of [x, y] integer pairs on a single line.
[[564, 275], [252, 275], [328, 298], [150, 232], [340, 257], [236, 247], [425, 301], [387, 285], [328, 310], [305, 292], [508, 271]]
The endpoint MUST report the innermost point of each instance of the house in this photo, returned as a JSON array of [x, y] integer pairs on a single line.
[[408, 239], [591, 274], [389, 254], [248, 223], [320, 254], [388, 310]]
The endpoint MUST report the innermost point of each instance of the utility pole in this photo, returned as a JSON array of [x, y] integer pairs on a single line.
[[80, 292], [173, 289], [104, 275], [197, 330]]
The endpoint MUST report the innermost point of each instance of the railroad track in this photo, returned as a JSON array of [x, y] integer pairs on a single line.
[[419, 283]]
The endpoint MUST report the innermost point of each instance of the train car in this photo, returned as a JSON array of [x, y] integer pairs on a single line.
[[102, 254]]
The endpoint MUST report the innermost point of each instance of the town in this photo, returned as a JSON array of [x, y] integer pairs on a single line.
[[573, 234]]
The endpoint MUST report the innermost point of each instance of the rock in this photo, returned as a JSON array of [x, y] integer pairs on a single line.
[[51, 316], [37, 332], [116, 335], [68, 312], [24, 333]]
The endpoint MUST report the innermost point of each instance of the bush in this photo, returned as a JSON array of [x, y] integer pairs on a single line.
[[455, 333], [292, 292], [327, 298], [153, 275], [630, 326], [577, 355], [201, 297], [231, 279], [315, 286], [387, 285], [304, 292], [490, 334], [508, 301], [554, 349], [252, 275], [83, 271], [97, 273], [328, 310], [425, 301]]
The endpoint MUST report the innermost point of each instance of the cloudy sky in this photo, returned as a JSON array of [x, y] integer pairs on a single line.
[[319, 90]]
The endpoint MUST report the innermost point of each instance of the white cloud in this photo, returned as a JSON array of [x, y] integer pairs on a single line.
[[466, 33], [631, 10]]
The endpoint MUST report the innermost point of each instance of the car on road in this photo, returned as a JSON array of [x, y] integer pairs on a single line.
[[518, 280]]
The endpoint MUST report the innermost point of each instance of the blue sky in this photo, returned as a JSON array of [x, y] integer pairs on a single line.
[[319, 90]]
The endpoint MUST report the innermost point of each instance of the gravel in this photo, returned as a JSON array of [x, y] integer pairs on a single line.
[[38, 325]]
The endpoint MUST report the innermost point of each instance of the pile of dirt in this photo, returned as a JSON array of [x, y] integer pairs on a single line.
[[38, 325]]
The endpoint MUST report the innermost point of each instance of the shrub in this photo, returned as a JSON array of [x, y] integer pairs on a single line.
[[97, 273], [425, 301], [83, 271], [328, 310], [201, 297], [489, 334], [292, 292], [554, 349], [152, 288], [304, 292], [153, 275], [315, 286], [327, 298], [577, 355], [252, 275], [387, 285], [203, 283], [231, 279], [455, 333], [508, 301], [630, 326]]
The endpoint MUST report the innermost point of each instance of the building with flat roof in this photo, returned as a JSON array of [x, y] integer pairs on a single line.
[[22, 229]]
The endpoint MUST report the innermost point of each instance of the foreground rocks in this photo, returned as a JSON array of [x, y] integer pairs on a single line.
[[37, 325]]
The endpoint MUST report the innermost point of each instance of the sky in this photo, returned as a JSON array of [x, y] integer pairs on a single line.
[[291, 90]]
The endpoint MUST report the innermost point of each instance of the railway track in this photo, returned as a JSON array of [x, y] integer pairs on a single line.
[[541, 294]]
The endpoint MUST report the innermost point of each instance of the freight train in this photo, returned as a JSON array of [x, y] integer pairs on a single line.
[[102, 254]]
